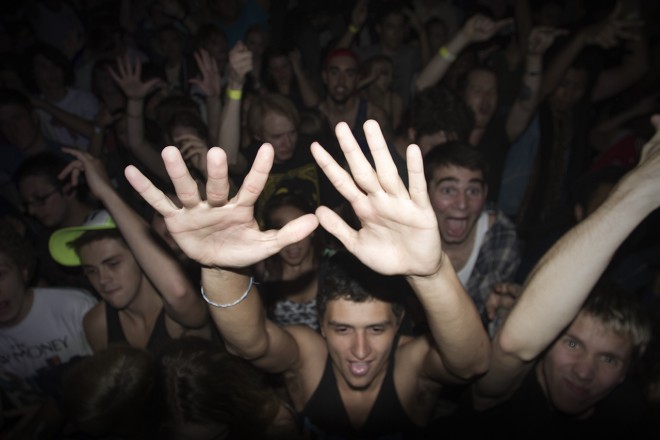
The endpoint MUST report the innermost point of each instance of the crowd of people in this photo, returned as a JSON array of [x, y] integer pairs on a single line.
[[395, 219]]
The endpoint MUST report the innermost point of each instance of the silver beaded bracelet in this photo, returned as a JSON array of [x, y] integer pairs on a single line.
[[231, 304]]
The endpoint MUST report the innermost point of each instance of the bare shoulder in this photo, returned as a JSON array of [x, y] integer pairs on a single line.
[[96, 327], [305, 375]]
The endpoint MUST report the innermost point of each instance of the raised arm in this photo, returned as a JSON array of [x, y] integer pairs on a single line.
[[606, 34], [308, 93], [240, 64], [69, 120], [210, 84], [477, 28], [399, 235], [358, 17], [551, 299], [128, 79], [526, 103], [180, 298], [223, 236]]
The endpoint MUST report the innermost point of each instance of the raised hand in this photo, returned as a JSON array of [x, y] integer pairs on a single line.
[[95, 175], [128, 79], [609, 32], [359, 13], [399, 233], [502, 299], [218, 232], [240, 63], [211, 80], [481, 28], [541, 38], [193, 150]]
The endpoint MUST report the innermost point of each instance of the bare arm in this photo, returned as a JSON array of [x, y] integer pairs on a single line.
[[128, 79], [477, 28], [633, 67], [605, 34], [358, 17], [240, 64], [309, 94], [526, 103], [210, 84], [399, 235], [223, 236], [70, 120], [550, 299], [180, 298]]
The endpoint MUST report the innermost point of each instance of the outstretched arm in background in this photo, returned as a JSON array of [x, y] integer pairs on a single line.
[[127, 77], [240, 64], [551, 299], [477, 28], [526, 103]]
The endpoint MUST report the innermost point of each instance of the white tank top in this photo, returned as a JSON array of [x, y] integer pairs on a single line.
[[482, 228]]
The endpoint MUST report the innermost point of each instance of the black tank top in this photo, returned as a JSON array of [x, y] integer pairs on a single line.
[[116, 335], [325, 416]]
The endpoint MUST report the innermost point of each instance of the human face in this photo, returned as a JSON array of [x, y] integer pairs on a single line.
[[15, 302], [297, 253], [458, 196], [18, 125], [279, 131], [279, 68], [340, 78], [570, 90], [584, 365], [391, 31], [111, 268], [48, 75], [43, 201], [481, 96], [359, 338]]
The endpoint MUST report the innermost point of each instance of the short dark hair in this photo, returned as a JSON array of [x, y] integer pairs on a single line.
[[346, 277], [438, 109], [46, 164], [455, 153], [186, 118]]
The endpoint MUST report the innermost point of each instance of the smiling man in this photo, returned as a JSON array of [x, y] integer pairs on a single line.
[[481, 243], [356, 378], [560, 361]]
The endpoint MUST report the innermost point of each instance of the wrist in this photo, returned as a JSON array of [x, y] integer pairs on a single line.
[[353, 29], [234, 94], [446, 54]]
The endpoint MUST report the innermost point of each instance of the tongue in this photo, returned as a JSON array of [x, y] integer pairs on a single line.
[[456, 227], [359, 368]]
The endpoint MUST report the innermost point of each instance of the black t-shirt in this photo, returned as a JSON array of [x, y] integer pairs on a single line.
[[299, 175]]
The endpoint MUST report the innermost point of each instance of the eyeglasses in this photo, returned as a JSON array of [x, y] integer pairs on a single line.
[[39, 201]]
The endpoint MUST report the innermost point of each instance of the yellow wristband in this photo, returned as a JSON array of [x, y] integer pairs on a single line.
[[353, 29], [446, 55], [234, 94]]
